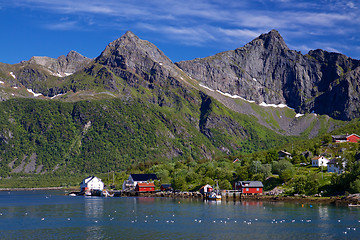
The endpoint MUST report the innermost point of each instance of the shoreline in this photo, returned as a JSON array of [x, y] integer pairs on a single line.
[[40, 188], [335, 200]]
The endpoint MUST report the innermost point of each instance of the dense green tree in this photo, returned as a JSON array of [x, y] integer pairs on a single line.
[[255, 167], [271, 155], [299, 184], [355, 185], [242, 173], [278, 167], [224, 184]]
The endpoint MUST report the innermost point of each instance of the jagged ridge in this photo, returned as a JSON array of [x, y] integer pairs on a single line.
[[266, 70]]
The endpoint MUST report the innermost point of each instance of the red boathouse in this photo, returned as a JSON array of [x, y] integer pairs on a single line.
[[145, 187]]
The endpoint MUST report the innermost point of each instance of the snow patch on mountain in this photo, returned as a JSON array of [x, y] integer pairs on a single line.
[[13, 75], [32, 92]]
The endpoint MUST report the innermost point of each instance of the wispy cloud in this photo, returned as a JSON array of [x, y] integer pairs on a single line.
[[198, 22], [239, 33], [67, 25]]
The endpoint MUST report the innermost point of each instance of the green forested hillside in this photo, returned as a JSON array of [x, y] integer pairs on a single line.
[[41, 136]]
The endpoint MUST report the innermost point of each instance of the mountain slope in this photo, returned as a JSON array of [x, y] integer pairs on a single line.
[[129, 105], [266, 70]]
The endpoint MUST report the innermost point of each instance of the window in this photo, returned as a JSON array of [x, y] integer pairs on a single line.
[[247, 189], [257, 189]]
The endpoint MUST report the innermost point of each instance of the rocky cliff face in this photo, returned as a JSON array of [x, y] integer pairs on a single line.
[[141, 64], [63, 65], [266, 70], [130, 54]]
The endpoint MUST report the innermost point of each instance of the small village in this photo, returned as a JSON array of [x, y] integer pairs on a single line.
[[145, 184]]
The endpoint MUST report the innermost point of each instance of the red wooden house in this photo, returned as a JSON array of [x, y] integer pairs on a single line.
[[346, 138], [249, 187], [145, 187]]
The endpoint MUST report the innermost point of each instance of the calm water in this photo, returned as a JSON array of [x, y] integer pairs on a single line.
[[52, 215]]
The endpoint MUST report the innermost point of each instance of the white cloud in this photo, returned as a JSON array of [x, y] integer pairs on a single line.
[[68, 25], [351, 5], [239, 33], [186, 35]]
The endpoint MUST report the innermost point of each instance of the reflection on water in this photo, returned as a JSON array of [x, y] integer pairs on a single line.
[[324, 212], [94, 207], [94, 211], [252, 203]]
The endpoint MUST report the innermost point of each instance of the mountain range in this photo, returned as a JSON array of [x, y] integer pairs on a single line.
[[132, 104]]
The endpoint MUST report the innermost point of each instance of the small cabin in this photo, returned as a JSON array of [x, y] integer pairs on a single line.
[[249, 187], [166, 187], [145, 187], [91, 183], [353, 138], [206, 189]]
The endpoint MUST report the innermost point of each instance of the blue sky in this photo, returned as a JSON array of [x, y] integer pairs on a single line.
[[183, 30]]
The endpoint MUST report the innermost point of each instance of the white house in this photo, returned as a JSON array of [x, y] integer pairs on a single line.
[[91, 183], [134, 179], [336, 166], [319, 161]]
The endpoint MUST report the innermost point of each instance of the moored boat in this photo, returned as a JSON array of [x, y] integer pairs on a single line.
[[214, 196], [354, 205]]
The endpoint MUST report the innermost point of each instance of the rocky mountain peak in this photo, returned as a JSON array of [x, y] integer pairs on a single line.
[[131, 52], [271, 40], [63, 65], [75, 56], [130, 35]]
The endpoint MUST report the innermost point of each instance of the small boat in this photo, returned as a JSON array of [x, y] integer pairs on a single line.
[[72, 194], [106, 193], [214, 196], [354, 205]]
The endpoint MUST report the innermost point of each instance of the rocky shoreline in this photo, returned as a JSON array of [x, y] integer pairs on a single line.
[[353, 199]]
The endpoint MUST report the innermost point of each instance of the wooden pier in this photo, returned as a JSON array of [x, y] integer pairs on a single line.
[[231, 195]]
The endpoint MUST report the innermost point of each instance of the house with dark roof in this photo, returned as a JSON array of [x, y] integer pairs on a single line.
[[249, 187], [134, 179], [354, 138]]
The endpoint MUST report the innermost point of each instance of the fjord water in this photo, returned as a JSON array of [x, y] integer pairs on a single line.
[[53, 215]]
